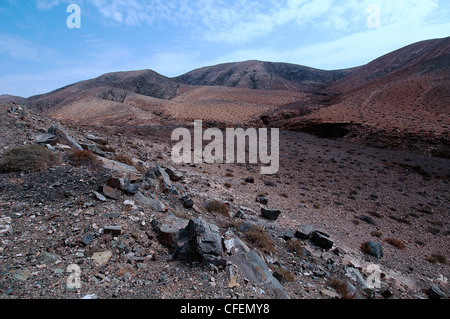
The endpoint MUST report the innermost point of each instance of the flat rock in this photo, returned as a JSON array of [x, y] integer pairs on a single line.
[[102, 257], [45, 138], [111, 192], [271, 214], [113, 230], [322, 240], [63, 137], [304, 231], [256, 270], [99, 196], [120, 169], [149, 202]]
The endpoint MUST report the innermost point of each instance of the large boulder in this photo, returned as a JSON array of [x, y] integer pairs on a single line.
[[63, 137], [256, 270], [201, 241], [119, 169], [271, 214], [45, 138], [373, 248], [169, 230], [321, 240]]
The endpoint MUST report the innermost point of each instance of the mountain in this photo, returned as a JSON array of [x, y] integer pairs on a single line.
[[12, 98], [403, 92], [111, 86], [261, 75], [226, 93], [420, 59], [401, 97]]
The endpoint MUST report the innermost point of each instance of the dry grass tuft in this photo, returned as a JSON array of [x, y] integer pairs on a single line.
[[341, 288], [257, 236], [28, 158], [396, 243], [437, 258], [215, 206], [84, 158], [124, 159]]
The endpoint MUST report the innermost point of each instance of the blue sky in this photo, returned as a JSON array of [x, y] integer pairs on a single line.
[[39, 53]]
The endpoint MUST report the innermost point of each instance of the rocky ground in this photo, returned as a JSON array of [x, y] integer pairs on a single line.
[[344, 220]]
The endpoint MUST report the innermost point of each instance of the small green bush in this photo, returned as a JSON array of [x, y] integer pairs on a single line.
[[28, 158]]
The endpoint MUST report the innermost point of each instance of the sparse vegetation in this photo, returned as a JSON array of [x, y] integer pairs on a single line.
[[286, 274], [84, 158], [375, 233], [259, 237], [215, 206], [436, 258], [375, 214], [124, 159], [28, 158], [396, 243], [402, 219], [341, 288], [296, 247]]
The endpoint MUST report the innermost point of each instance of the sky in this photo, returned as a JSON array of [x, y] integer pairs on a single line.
[[48, 44]]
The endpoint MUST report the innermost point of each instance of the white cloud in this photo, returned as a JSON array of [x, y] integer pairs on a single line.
[[19, 48], [349, 51], [47, 4], [241, 21]]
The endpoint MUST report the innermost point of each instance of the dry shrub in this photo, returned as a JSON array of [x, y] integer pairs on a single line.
[[341, 288], [107, 148], [396, 243], [376, 233], [103, 144], [296, 247], [437, 258], [84, 158], [285, 273], [215, 206], [28, 158], [259, 238], [124, 159]]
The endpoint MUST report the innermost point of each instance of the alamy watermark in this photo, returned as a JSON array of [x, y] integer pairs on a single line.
[[191, 150], [373, 281], [74, 19], [374, 18]]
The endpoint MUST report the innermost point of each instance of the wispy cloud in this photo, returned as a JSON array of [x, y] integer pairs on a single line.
[[22, 49], [241, 21], [47, 4]]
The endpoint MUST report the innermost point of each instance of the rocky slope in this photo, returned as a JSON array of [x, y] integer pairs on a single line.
[[259, 75], [399, 101], [335, 220]]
